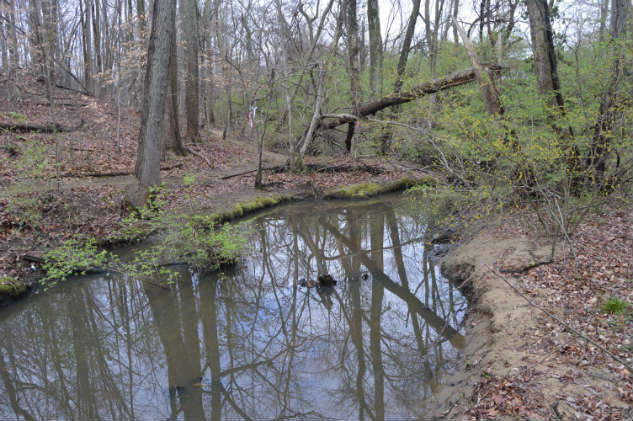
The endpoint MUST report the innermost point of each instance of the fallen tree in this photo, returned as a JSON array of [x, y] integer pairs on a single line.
[[50, 128], [330, 121]]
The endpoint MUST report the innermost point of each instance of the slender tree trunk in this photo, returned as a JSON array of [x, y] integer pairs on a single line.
[[148, 155], [487, 81], [406, 46], [84, 13], [189, 10], [4, 40], [354, 73], [375, 49]]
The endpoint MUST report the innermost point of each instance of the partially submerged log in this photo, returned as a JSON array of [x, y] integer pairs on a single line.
[[330, 121]]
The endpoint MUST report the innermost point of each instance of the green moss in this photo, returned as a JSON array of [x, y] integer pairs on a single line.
[[11, 287], [361, 191], [243, 208]]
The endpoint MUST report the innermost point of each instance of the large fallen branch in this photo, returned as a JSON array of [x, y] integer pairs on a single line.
[[51, 128], [454, 79]]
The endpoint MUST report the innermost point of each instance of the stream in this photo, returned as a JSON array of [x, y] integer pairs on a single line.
[[254, 342]]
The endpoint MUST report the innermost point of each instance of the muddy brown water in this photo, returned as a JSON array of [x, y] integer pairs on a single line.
[[251, 343]]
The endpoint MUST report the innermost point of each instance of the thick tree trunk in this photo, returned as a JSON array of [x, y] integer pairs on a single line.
[[189, 10], [430, 87], [171, 132], [545, 63], [147, 169]]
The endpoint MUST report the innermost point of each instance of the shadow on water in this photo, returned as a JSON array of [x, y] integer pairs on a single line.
[[252, 343]]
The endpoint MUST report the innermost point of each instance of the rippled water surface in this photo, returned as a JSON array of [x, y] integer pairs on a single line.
[[252, 343]]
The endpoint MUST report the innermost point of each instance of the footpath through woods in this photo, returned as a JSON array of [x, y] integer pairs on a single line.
[[59, 183]]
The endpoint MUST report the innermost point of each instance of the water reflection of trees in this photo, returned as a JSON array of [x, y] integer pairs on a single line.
[[252, 344]]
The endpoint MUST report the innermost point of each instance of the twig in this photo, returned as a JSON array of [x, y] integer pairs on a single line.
[[199, 155], [567, 326]]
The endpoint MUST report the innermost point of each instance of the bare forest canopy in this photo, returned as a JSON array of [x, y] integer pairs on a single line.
[[535, 86]]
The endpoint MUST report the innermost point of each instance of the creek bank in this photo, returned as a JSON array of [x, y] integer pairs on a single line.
[[12, 288], [519, 363]]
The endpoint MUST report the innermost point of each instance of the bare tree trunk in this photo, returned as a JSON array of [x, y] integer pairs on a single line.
[[354, 73], [35, 36], [375, 49], [96, 38], [296, 159], [189, 10], [487, 81], [84, 13], [406, 46], [147, 170], [171, 132], [4, 40], [545, 63]]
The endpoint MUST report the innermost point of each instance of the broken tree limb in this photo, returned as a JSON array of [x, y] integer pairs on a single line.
[[199, 155], [51, 128], [454, 79]]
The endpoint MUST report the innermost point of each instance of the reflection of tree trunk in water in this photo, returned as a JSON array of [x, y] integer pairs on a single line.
[[208, 314], [10, 391], [402, 273], [193, 409], [103, 373], [161, 303], [356, 327], [437, 323], [377, 294], [85, 396], [48, 317]]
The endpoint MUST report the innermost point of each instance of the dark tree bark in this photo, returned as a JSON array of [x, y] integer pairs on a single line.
[[147, 169], [189, 10], [602, 139]]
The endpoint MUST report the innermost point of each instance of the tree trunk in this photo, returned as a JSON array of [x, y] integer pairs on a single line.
[[84, 14], [375, 49], [354, 73], [189, 10], [545, 63], [487, 81], [147, 169], [601, 144], [35, 37], [171, 132], [406, 46]]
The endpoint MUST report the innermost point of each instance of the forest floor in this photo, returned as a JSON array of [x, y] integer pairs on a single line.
[[56, 185], [521, 364]]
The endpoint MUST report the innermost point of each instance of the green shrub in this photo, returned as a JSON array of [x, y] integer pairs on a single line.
[[613, 305]]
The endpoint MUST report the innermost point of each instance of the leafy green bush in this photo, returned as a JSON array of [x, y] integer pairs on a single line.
[[73, 257]]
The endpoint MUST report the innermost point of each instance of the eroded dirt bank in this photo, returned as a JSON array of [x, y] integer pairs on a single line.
[[522, 364]]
